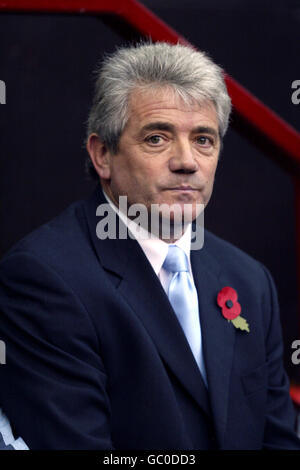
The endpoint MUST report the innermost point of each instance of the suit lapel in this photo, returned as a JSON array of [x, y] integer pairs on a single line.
[[218, 336], [138, 284], [145, 295]]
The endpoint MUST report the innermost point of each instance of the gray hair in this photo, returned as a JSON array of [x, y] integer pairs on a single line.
[[190, 73]]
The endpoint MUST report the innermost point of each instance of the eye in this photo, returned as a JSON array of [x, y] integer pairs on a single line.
[[154, 139], [204, 140]]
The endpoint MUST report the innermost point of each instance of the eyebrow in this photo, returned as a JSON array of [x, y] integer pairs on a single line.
[[158, 126], [206, 130], [164, 126]]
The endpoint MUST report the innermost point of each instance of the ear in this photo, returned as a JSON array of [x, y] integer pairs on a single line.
[[99, 155]]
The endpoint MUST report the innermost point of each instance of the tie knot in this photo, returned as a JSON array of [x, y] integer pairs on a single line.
[[176, 260]]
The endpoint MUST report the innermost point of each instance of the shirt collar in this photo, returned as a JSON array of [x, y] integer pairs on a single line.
[[154, 248]]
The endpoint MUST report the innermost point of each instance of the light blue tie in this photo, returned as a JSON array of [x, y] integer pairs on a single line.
[[183, 297]]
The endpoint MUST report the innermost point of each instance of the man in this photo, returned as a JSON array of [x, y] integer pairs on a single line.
[[142, 342]]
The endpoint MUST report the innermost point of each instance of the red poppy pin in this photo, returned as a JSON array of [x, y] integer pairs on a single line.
[[231, 309]]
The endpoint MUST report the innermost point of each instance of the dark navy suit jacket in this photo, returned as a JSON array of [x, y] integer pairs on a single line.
[[96, 358]]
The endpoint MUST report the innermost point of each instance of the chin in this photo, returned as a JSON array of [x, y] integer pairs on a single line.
[[180, 213]]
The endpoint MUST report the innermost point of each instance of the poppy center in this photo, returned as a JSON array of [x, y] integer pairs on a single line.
[[229, 303]]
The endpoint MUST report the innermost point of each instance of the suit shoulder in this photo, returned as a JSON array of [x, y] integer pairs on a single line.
[[230, 255], [57, 237]]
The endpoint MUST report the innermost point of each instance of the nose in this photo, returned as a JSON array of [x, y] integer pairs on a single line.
[[182, 158]]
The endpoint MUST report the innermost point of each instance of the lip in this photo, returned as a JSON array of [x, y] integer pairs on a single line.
[[183, 188]]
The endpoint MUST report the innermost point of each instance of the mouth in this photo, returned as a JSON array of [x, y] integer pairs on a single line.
[[182, 188]]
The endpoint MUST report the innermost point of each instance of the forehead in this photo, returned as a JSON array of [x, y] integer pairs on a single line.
[[163, 104]]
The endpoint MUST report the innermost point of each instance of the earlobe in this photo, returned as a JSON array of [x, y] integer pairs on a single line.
[[100, 156]]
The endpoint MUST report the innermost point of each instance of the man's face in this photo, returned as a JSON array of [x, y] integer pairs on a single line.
[[167, 154]]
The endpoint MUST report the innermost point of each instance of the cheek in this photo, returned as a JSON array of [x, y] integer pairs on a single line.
[[211, 171], [145, 175], [133, 166], [209, 180], [129, 180]]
